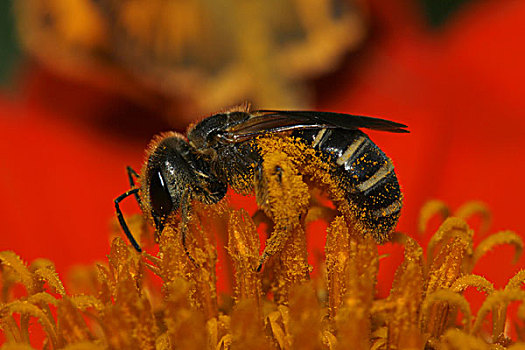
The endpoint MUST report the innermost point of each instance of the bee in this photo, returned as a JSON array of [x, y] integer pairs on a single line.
[[223, 151]]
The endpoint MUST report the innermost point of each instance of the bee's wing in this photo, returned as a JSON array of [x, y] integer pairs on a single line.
[[272, 121], [342, 120]]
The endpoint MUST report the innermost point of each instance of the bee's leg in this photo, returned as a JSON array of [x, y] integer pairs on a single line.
[[261, 217], [185, 220], [320, 212], [283, 196]]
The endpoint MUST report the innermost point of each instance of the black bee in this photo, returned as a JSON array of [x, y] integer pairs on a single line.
[[221, 151]]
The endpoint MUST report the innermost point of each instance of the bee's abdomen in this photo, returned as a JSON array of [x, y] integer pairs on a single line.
[[364, 172]]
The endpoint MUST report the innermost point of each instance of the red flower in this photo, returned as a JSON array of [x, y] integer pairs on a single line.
[[459, 90]]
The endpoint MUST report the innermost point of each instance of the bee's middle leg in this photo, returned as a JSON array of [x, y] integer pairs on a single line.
[[283, 196]]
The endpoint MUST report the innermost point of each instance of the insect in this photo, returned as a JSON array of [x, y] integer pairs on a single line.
[[223, 151]]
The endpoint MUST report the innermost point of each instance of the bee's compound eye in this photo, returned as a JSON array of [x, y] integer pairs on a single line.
[[160, 196]]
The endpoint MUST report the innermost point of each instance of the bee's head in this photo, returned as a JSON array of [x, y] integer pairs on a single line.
[[173, 176]]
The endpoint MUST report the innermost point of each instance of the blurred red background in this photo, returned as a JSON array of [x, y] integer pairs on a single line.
[[64, 146]]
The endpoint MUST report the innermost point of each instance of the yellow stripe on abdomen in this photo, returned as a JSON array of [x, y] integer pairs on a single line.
[[386, 169]]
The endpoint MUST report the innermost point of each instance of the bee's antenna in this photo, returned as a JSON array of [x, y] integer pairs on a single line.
[[131, 173], [121, 219]]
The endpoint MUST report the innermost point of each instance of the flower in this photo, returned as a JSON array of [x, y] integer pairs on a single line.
[[458, 89], [116, 305]]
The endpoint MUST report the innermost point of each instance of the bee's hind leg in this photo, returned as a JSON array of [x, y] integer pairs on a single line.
[[283, 196], [260, 217]]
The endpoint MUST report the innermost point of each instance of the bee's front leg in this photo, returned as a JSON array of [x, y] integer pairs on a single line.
[[283, 196]]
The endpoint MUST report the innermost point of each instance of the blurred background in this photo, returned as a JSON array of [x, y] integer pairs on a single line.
[[86, 84]]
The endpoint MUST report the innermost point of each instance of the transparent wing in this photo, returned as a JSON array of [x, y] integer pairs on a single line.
[[273, 121]]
